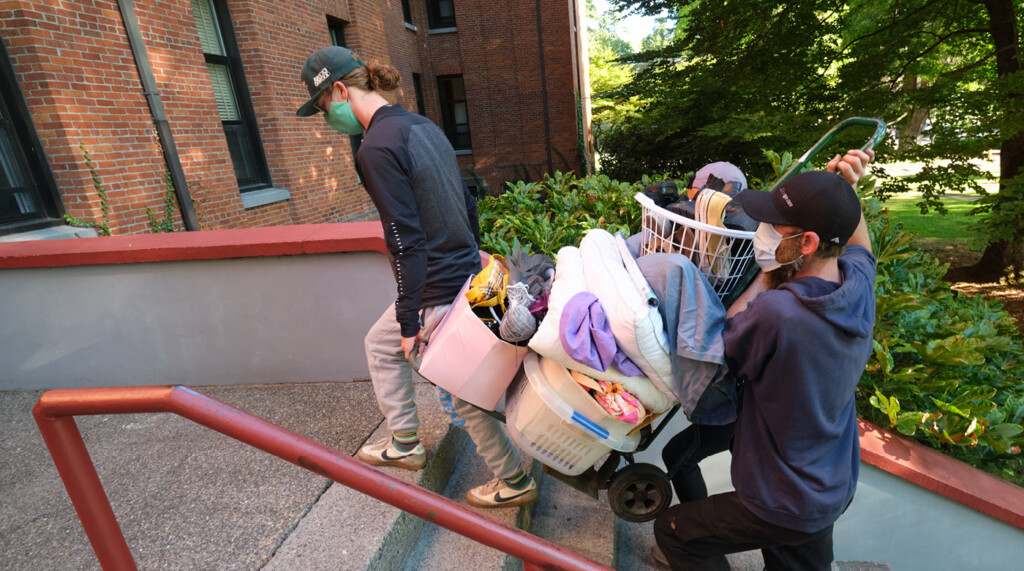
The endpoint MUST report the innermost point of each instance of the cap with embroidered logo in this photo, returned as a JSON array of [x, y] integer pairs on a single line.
[[816, 201], [322, 69]]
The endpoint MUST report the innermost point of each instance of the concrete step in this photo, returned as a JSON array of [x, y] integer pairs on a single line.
[[575, 520], [635, 541], [440, 548], [345, 530]]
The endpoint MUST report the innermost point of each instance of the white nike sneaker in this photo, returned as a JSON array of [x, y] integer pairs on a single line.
[[497, 494], [384, 453]]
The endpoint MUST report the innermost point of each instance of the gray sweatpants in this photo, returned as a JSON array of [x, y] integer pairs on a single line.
[[391, 375]]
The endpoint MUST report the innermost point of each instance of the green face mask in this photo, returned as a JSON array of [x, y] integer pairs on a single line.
[[342, 119]]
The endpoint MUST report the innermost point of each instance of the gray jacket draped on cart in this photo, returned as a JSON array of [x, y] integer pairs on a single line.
[[694, 318]]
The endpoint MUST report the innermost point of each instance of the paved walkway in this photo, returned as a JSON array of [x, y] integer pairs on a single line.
[[186, 497]]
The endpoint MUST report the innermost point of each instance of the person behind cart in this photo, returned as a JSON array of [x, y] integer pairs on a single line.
[[432, 236], [710, 431], [798, 341]]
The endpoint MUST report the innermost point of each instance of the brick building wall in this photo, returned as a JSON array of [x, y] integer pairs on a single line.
[[75, 67]]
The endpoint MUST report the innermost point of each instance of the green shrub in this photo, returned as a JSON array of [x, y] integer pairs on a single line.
[[544, 216], [947, 369]]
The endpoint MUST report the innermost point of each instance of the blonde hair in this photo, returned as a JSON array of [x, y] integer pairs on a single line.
[[375, 76]]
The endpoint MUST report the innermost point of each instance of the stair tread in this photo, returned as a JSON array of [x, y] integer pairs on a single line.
[[574, 520], [344, 528], [440, 548]]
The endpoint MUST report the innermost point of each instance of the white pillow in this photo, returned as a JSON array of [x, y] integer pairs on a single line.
[[632, 311], [569, 281]]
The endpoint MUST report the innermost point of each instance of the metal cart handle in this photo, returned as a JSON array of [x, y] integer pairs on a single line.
[[878, 124]]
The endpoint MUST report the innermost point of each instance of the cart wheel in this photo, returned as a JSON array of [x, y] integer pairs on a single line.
[[639, 492]]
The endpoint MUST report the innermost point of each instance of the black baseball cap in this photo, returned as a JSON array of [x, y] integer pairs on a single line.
[[322, 69], [817, 201]]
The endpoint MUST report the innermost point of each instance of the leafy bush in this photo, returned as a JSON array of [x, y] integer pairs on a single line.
[[947, 369], [545, 216]]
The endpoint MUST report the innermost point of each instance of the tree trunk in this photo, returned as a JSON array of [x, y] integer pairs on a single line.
[[1000, 258], [912, 128]]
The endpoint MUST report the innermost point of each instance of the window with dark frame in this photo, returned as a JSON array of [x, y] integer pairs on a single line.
[[224, 65], [417, 86], [337, 29], [454, 115], [406, 12], [28, 193], [441, 14]]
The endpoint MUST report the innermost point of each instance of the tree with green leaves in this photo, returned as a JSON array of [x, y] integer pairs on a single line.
[[741, 76], [660, 36], [608, 72]]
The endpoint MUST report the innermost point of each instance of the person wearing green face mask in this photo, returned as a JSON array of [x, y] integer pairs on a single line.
[[432, 236]]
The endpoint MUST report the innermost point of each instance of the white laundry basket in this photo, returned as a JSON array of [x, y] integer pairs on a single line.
[[553, 419], [723, 255]]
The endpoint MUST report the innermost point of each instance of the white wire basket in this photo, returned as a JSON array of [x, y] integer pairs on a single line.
[[723, 255]]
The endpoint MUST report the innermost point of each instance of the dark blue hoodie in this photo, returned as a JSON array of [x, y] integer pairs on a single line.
[[800, 350]]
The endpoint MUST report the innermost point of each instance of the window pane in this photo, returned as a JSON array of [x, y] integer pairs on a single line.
[[222, 92], [417, 84], [406, 12], [462, 137], [461, 117], [458, 89], [11, 175], [441, 14], [337, 30], [241, 154], [17, 201], [454, 111], [206, 25], [445, 9]]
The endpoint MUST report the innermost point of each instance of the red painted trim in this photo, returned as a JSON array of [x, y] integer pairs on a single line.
[[208, 245], [941, 474]]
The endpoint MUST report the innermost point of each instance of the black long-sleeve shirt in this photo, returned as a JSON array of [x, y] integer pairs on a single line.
[[429, 217]]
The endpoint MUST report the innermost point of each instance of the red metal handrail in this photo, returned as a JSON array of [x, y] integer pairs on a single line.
[[55, 412]]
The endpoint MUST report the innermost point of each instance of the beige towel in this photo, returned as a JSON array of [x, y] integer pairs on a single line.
[[713, 248]]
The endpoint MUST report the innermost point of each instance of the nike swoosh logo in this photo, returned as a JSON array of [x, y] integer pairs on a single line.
[[499, 499], [384, 455]]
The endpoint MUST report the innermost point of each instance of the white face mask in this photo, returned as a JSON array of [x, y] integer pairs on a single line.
[[766, 243]]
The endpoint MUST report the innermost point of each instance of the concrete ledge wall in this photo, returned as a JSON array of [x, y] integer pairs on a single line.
[[910, 528], [261, 305], [942, 474]]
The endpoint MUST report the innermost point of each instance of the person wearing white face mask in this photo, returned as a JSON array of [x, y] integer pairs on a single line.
[[797, 341], [432, 236]]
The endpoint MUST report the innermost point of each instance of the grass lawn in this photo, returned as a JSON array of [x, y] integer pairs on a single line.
[[953, 226], [948, 237]]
